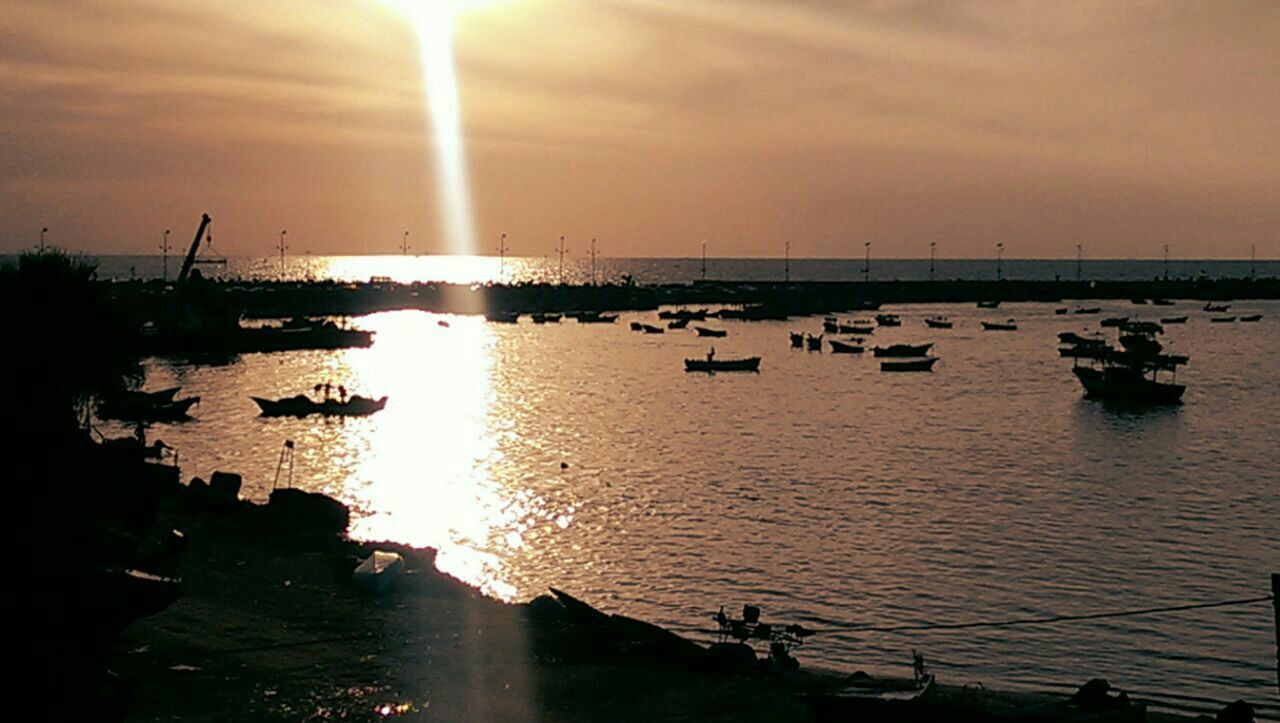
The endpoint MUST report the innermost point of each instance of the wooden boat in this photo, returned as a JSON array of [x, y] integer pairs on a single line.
[[1127, 383], [547, 318], [1138, 302], [1162, 302], [938, 322], [301, 406], [749, 364], [1088, 310], [797, 340], [1141, 327], [830, 326], [1222, 319], [596, 317], [715, 333], [1060, 311], [865, 698], [902, 350], [858, 329], [1211, 307], [1252, 317], [998, 326], [699, 315], [1174, 320], [637, 326], [1070, 337], [651, 329], [988, 304], [1113, 321], [843, 347], [678, 324], [146, 409], [888, 320], [909, 365], [502, 317], [814, 342]]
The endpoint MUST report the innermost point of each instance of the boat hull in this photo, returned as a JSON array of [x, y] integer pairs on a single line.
[[912, 365], [1127, 385], [751, 364], [301, 406]]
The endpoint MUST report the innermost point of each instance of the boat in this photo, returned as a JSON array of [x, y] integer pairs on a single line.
[[998, 326], [651, 329], [814, 342], [1211, 307], [1132, 374], [596, 317], [1173, 320], [714, 333], [502, 317], [902, 350], [1161, 302], [888, 320], [1085, 352], [1060, 311], [1138, 301], [1070, 337], [844, 347], [1088, 310], [797, 340], [302, 405], [699, 315], [749, 364], [909, 365], [678, 324], [146, 409], [862, 697], [830, 326], [988, 304], [938, 322], [1252, 317], [1141, 327], [1222, 319], [637, 326], [547, 318], [1114, 321]]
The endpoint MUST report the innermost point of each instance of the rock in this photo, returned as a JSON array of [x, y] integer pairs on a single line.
[[545, 607], [309, 512], [1235, 712], [578, 612], [651, 639], [224, 489], [729, 658]]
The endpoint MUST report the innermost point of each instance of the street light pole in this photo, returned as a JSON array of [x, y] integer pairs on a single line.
[[593, 262], [933, 250], [562, 260], [404, 244], [282, 249], [1079, 261], [43, 230], [866, 262], [786, 263], [1000, 261], [502, 257], [704, 259]]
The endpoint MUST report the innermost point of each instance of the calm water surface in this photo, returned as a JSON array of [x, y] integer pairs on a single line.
[[821, 489]]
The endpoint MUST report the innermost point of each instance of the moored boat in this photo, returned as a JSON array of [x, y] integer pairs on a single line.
[[909, 365], [1070, 337], [902, 350], [145, 408], [546, 318], [938, 322], [714, 333], [1222, 319], [1088, 310], [1162, 302], [596, 317], [651, 329], [1252, 317], [1212, 307], [888, 320], [748, 364], [1009, 325], [302, 405], [502, 317], [814, 342], [637, 326], [1114, 321], [844, 347], [678, 324], [1173, 320], [988, 304]]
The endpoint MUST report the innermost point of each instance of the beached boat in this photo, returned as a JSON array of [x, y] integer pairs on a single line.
[[1222, 320], [749, 364], [302, 405], [844, 347], [714, 333], [1212, 308], [988, 304], [1173, 320], [902, 350], [862, 697], [888, 320], [1252, 317], [999, 326], [909, 365], [938, 322]]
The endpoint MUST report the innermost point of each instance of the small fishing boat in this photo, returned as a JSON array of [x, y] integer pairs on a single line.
[[678, 324], [888, 320], [1070, 337], [909, 365], [1060, 311], [999, 326], [714, 333], [1088, 310], [596, 317], [831, 326], [749, 364], [988, 304], [651, 329], [1252, 317], [938, 322], [1138, 302], [844, 347], [502, 317], [1212, 308], [1141, 327], [547, 318], [1114, 321], [797, 340], [302, 405], [857, 329], [146, 408], [902, 350], [637, 326], [1173, 320], [1223, 319], [1162, 302], [814, 342]]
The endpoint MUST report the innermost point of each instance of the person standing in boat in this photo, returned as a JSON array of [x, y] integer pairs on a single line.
[[342, 393], [711, 355]]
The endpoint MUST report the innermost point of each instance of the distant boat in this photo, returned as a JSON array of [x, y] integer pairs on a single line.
[[902, 350], [797, 340], [1127, 384], [858, 329], [651, 329], [1070, 337], [637, 326], [1088, 310], [1138, 302], [988, 304], [699, 315], [1211, 307], [831, 326], [144, 407], [1114, 321], [938, 322], [1162, 302], [1060, 311], [596, 317], [1222, 319], [909, 365], [1141, 327], [547, 318], [1174, 320], [301, 406], [678, 324], [814, 342], [888, 320], [503, 317], [841, 347], [716, 333], [997, 326], [1254, 317], [749, 364]]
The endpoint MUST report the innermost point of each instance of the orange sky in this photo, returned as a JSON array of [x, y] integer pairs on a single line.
[[651, 124]]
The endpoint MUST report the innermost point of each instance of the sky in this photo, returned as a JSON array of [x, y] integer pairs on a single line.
[[652, 125]]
